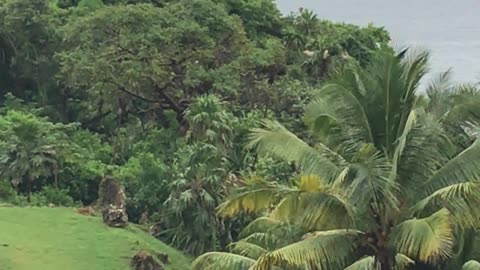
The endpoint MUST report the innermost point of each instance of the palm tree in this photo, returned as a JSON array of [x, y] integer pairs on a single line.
[[30, 148], [306, 21], [392, 178]]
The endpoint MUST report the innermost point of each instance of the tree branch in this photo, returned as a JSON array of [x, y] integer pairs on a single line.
[[169, 100], [123, 89]]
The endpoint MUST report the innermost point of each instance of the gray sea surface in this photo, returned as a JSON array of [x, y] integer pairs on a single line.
[[450, 29]]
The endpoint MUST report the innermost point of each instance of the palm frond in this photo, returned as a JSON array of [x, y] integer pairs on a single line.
[[247, 249], [277, 140], [269, 240], [409, 124], [261, 224], [270, 234], [250, 201], [286, 208], [463, 114], [324, 210], [426, 148], [414, 69], [471, 265], [316, 206], [462, 168], [371, 181], [311, 183], [469, 245], [222, 261], [384, 100], [335, 113], [438, 91], [428, 240], [461, 200], [254, 197], [402, 262], [327, 250]]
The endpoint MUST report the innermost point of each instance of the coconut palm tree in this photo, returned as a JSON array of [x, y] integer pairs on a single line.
[[391, 179]]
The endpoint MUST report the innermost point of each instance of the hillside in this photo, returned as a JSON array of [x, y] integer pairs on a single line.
[[59, 238]]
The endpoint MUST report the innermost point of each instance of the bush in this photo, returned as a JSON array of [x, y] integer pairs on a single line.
[[53, 195], [7, 192], [48, 195], [35, 200]]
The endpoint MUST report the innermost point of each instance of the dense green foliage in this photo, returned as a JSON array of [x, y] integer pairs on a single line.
[[164, 95], [160, 95], [390, 186]]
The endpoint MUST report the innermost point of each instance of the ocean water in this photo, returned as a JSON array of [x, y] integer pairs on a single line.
[[450, 29]]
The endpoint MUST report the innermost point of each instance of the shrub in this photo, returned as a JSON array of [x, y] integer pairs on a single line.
[[7, 192], [35, 200], [54, 195]]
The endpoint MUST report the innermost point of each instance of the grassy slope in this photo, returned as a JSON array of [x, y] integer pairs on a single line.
[[58, 239]]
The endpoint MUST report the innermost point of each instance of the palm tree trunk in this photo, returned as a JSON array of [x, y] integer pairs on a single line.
[[384, 260]]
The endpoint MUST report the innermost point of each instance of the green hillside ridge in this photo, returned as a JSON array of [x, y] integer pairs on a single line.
[[59, 238]]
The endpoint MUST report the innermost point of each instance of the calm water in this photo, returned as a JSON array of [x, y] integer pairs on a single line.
[[450, 29]]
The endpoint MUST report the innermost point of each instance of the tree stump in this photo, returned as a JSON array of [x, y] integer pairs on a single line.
[[112, 201], [115, 217], [143, 260]]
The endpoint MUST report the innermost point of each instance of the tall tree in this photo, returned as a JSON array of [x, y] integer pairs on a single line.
[[149, 58]]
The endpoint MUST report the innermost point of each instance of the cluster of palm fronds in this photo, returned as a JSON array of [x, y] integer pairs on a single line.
[[393, 181]]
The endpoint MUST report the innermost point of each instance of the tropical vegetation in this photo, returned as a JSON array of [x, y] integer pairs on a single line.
[[386, 180], [243, 137]]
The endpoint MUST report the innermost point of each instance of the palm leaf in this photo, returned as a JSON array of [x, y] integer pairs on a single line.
[[461, 200], [277, 140], [251, 201], [368, 263], [268, 240], [371, 181], [256, 196], [326, 250], [261, 224], [316, 206], [463, 114], [471, 265], [462, 168], [426, 148], [247, 249], [412, 117], [428, 240], [336, 112], [414, 69], [324, 210], [222, 261], [287, 208], [438, 91], [383, 101]]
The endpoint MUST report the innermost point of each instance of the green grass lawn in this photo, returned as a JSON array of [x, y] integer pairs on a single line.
[[59, 239]]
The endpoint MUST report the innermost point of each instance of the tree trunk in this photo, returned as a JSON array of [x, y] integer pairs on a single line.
[[29, 188], [384, 260], [55, 175]]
